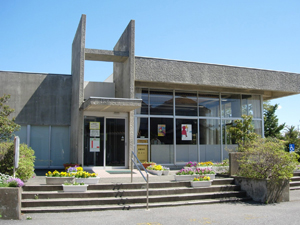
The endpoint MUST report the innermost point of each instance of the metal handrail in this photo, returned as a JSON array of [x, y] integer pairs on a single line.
[[146, 179]]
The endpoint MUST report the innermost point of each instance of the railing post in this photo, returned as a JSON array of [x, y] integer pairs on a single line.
[[147, 191], [131, 167]]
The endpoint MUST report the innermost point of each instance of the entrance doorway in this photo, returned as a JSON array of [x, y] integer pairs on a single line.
[[104, 141]]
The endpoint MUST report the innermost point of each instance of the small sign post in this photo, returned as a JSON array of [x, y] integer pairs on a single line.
[[17, 150], [291, 148]]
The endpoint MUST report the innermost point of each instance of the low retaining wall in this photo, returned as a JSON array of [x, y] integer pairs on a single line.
[[261, 190], [10, 203]]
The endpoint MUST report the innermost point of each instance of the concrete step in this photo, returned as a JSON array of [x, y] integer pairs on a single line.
[[295, 178], [76, 208], [126, 192], [129, 199], [294, 183]]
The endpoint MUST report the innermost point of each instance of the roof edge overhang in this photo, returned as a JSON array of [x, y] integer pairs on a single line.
[[102, 104]]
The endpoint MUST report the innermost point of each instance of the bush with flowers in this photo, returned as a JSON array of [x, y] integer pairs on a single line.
[[202, 178], [8, 181], [74, 169]]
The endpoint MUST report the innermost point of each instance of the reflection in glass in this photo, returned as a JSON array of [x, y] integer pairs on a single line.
[[186, 104], [231, 105], [251, 105], [161, 102], [142, 94], [161, 140], [186, 140], [209, 105]]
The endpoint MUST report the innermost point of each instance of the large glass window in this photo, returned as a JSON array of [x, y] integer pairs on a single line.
[[92, 156], [251, 105], [161, 102], [22, 134], [162, 141], [39, 142], [186, 104], [142, 94], [186, 140], [231, 105], [209, 105], [210, 140], [60, 145]]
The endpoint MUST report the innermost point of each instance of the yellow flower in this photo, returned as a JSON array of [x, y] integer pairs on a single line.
[[79, 168]]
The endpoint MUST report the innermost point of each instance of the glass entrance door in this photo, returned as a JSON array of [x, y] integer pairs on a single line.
[[115, 142]]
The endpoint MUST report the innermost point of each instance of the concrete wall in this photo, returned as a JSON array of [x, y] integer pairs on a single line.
[[124, 76], [187, 75], [78, 47], [98, 89], [10, 203], [38, 99], [123, 73]]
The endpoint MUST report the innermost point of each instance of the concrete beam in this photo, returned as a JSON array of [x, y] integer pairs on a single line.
[[106, 55]]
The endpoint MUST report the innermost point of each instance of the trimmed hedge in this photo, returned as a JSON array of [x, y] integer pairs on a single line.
[[26, 160]]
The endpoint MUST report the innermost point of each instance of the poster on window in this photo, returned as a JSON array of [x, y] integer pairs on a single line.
[[161, 130], [186, 132], [94, 144], [94, 125], [95, 133]]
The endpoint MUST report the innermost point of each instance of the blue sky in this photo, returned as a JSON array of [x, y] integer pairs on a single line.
[[36, 36]]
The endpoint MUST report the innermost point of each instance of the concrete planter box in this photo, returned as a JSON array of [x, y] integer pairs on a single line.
[[261, 190], [90, 180], [10, 203], [75, 188], [58, 180], [212, 176], [155, 172], [165, 172], [220, 169], [233, 162], [200, 183], [185, 177]]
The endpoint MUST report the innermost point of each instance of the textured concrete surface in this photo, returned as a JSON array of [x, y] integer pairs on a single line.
[[76, 135], [174, 73], [10, 203], [98, 89], [38, 98]]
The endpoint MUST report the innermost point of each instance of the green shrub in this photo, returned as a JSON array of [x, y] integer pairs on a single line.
[[26, 160], [265, 158]]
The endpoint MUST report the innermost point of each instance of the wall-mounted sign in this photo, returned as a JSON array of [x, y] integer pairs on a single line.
[[161, 130], [95, 133], [94, 144], [94, 125], [186, 132]]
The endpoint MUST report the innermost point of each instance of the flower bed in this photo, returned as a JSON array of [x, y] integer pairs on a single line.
[[155, 169], [86, 177], [202, 181], [189, 174]]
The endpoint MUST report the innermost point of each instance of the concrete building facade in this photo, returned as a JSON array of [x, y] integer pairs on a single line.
[[167, 111]]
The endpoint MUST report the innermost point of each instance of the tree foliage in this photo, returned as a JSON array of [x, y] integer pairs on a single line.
[[266, 158], [271, 127], [291, 136], [7, 126], [243, 131]]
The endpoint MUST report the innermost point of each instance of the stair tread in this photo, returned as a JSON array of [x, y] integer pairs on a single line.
[[132, 197], [137, 205], [122, 190]]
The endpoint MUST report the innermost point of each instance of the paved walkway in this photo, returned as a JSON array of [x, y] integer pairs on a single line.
[[106, 177]]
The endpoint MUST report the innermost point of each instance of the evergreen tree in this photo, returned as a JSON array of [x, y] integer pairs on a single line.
[[271, 127], [7, 126]]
